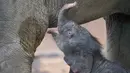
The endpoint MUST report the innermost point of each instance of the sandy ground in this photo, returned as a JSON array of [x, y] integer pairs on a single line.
[[49, 59]]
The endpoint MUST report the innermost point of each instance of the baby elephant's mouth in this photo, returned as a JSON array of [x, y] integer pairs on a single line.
[[75, 70]]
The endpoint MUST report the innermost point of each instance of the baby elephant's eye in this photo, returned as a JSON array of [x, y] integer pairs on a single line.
[[70, 34]]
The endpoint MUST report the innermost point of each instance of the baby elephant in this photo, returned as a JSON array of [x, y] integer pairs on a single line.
[[81, 49]]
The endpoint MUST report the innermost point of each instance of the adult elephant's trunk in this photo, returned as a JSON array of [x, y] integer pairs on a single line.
[[23, 24]]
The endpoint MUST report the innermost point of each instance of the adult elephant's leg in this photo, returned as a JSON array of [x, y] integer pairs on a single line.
[[23, 24], [118, 38]]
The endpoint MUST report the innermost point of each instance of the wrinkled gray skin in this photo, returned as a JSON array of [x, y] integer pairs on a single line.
[[23, 24], [81, 49]]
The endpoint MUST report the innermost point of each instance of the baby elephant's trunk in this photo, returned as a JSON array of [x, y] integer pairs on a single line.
[[62, 19]]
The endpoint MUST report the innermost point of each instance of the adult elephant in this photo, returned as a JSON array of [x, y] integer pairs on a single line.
[[23, 24]]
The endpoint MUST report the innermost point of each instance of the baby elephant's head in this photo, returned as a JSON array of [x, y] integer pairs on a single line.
[[72, 38]]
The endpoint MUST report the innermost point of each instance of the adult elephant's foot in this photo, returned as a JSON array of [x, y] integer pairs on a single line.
[[118, 38]]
